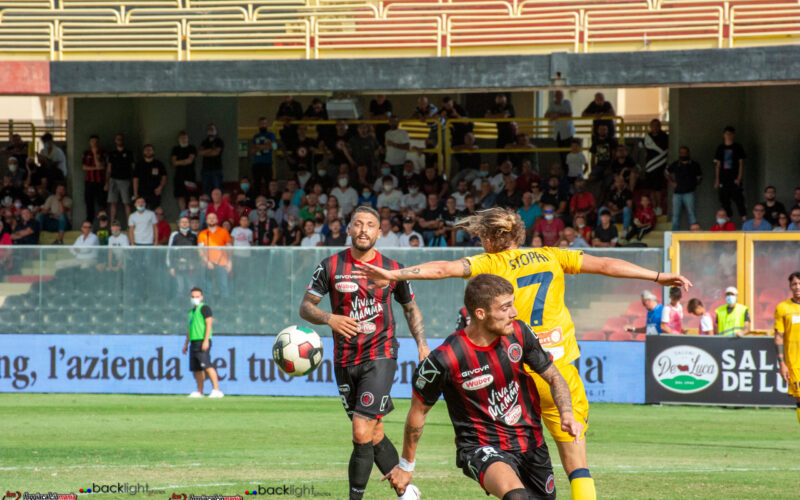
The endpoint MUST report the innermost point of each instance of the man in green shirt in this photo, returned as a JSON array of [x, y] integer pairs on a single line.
[[199, 335]]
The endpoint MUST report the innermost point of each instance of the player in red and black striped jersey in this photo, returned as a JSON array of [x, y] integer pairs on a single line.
[[371, 309], [365, 344], [493, 404], [462, 321]]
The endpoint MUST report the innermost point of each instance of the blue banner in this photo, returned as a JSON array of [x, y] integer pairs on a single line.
[[154, 364], [612, 372]]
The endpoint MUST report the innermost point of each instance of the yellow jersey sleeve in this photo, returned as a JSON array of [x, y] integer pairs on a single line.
[[485, 263], [570, 260], [779, 314]]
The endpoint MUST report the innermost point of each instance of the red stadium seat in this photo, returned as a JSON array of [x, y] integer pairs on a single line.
[[594, 335], [620, 336], [641, 337], [615, 324], [771, 297], [634, 310]]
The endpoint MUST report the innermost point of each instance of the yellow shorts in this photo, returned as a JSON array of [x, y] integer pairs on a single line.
[[580, 405], [794, 381]]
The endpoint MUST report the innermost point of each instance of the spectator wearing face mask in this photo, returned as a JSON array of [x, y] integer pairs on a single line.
[[20, 175], [142, 225], [383, 172], [549, 228], [414, 200], [193, 209], [723, 223], [390, 196], [733, 319], [292, 232], [180, 261], [367, 198], [347, 196]]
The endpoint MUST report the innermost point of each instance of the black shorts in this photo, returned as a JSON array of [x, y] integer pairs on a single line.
[[655, 180], [198, 358], [365, 388], [532, 467]]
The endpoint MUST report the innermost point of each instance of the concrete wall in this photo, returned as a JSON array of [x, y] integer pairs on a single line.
[[752, 65], [154, 120], [766, 120]]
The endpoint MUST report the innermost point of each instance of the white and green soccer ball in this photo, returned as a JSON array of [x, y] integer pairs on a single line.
[[297, 350]]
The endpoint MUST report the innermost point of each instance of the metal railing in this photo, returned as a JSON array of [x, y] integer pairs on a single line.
[[103, 290], [311, 29], [483, 129]]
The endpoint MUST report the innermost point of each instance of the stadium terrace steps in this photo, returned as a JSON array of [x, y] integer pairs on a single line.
[[586, 319]]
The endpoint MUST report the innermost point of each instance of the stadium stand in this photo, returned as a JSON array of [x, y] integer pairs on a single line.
[[175, 29]]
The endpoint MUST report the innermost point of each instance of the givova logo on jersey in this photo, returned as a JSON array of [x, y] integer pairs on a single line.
[[685, 369]]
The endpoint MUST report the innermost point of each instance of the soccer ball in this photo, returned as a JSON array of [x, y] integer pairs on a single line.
[[297, 350]]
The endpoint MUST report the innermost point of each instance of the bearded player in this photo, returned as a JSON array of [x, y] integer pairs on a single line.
[[537, 275], [787, 338], [493, 404], [365, 344]]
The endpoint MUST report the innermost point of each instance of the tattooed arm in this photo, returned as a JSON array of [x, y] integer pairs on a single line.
[[417, 327], [435, 270], [415, 421], [563, 401], [341, 325]]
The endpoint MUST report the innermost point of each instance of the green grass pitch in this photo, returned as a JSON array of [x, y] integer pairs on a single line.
[[64, 442]]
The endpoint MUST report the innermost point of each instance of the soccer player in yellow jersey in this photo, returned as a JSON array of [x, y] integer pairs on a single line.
[[787, 338], [538, 278]]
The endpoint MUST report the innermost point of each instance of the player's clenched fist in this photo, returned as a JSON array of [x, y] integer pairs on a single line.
[[343, 325], [398, 478]]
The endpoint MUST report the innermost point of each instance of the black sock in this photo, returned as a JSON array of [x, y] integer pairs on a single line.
[[518, 494], [386, 456], [360, 469]]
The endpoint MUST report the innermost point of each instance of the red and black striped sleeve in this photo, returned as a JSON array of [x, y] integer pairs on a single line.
[[429, 379], [532, 353], [320, 280]]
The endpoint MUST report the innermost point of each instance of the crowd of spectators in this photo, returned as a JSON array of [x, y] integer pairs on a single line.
[[577, 201]]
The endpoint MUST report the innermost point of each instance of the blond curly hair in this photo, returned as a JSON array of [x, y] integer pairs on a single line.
[[502, 228]]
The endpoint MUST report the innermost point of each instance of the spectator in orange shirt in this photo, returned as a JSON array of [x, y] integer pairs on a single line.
[[723, 222], [217, 262], [221, 207], [162, 227]]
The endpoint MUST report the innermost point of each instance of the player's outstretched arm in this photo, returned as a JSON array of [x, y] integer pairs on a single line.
[[618, 268], [435, 270], [341, 325], [563, 400], [400, 476], [417, 327]]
